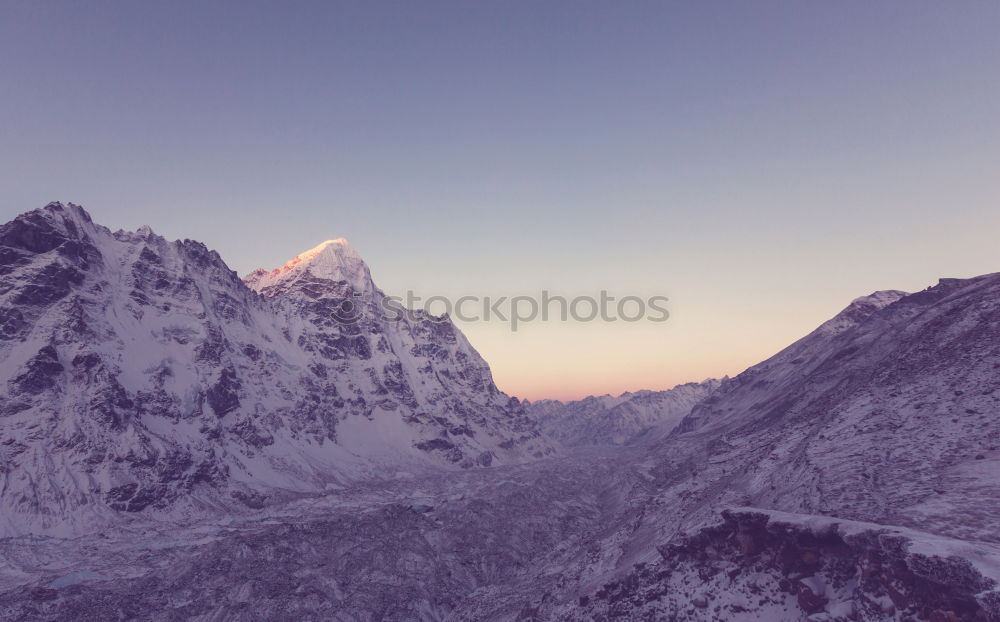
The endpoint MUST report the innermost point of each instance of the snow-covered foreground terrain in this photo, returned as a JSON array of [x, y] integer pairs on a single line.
[[180, 445], [570, 538]]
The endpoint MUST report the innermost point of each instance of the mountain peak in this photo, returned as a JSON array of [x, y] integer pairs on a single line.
[[338, 245], [57, 210], [333, 260]]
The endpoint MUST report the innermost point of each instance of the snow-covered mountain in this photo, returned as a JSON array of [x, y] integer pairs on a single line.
[[889, 413], [875, 436], [852, 476], [610, 420], [143, 375]]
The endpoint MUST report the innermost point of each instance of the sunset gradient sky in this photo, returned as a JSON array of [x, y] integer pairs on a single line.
[[760, 163]]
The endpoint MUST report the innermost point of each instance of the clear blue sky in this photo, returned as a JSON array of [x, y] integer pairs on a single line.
[[761, 163]]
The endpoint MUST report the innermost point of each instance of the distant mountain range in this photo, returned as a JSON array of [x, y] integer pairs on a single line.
[[609, 420]]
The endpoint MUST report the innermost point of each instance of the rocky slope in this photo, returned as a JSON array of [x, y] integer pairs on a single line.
[[763, 565], [609, 420], [888, 414], [142, 375]]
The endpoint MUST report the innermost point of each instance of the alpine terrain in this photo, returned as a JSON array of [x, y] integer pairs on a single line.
[[177, 443], [143, 376]]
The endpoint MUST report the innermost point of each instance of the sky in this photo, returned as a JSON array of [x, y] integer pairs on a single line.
[[759, 163]]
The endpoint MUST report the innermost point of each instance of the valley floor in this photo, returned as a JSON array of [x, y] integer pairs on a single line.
[[576, 537], [416, 545]]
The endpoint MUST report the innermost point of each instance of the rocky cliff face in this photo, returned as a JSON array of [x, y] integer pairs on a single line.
[[142, 375], [374, 352]]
